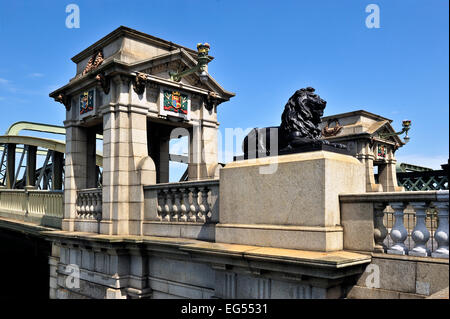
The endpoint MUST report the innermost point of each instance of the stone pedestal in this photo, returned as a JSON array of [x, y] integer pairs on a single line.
[[289, 201]]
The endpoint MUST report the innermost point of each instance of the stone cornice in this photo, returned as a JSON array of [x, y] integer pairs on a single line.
[[116, 67], [353, 113], [331, 265], [131, 33]]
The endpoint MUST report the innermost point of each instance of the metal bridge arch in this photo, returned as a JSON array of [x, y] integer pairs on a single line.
[[25, 173]]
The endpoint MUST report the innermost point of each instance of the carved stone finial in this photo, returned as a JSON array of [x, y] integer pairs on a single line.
[[63, 99], [94, 62], [104, 82], [139, 82]]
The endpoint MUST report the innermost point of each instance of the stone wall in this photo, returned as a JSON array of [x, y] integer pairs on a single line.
[[158, 267], [401, 277]]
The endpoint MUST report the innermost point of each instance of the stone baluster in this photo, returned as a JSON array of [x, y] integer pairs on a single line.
[[398, 231], [194, 206], [176, 205], [98, 206], [78, 206], [82, 205], [91, 197], [204, 206], [184, 207], [441, 233], [379, 232], [168, 205], [86, 205], [420, 233], [160, 207]]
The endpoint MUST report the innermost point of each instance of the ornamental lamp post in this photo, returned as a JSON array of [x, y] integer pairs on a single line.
[[406, 125], [202, 59]]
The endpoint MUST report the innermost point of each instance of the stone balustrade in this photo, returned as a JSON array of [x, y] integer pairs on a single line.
[[190, 202], [403, 223], [89, 204], [37, 206]]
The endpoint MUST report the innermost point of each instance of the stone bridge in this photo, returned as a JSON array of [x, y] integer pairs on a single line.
[[110, 225]]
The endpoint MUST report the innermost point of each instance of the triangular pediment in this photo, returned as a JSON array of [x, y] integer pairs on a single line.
[[378, 129], [178, 61]]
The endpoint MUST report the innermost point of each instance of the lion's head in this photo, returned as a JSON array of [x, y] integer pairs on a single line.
[[302, 114]]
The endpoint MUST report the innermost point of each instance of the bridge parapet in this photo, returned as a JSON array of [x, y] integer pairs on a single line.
[[184, 209], [40, 207], [398, 223], [89, 204]]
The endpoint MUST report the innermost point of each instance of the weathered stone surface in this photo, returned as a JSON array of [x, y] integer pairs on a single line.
[[186, 268], [291, 237], [301, 190], [357, 222], [414, 276], [431, 277], [390, 271]]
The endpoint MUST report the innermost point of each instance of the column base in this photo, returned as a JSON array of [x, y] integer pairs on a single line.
[[439, 255], [397, 252], [419, 253]]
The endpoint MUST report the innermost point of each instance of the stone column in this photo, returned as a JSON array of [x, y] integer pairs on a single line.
[[202, 151], [163, 172], [57, 171], [75, 171], [11, 165], [387, 174], [92, 176], [126, 164], [31, 167], [365, 156]]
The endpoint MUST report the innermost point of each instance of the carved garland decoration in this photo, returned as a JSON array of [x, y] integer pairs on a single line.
[[328, 131], [94, 62]]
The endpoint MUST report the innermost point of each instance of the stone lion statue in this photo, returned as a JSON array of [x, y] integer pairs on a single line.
[[298, 131]]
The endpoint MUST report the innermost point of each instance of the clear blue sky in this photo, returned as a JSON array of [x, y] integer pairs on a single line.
[[264, 51]]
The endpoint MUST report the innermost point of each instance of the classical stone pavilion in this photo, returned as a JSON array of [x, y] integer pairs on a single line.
[[124, 90], [362, 132]]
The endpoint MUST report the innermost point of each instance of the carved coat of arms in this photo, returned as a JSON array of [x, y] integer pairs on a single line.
[[86, 102], [175, 102]]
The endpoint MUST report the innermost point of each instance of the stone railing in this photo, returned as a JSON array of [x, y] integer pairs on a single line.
[[403, 223], [195, 202], [36, 206], [89, 204]]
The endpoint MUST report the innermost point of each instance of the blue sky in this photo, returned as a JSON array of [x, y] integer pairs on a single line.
[[264, 51]]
